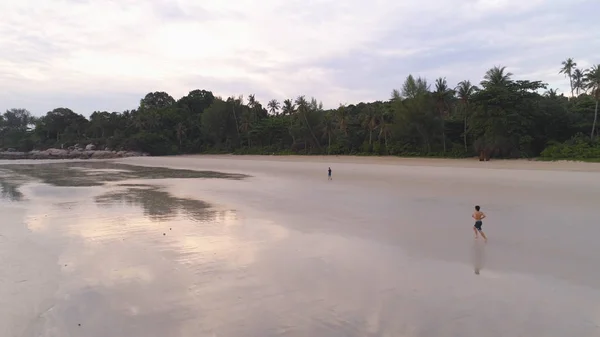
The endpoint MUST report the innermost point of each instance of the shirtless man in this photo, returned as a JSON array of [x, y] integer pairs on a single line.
[[478, 216]]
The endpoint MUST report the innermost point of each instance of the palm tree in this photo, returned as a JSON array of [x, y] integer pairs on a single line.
[[246, 125], [465, 91], [578, 80], [341, 114], [496, 77], [442, 96], [251, 101], [273, 107], [288, 108], [370, 122], [255, 107], [551, 93], [567, 69], [592, 78], [385, 128], [236, 102], [328, 130], [303, 110]]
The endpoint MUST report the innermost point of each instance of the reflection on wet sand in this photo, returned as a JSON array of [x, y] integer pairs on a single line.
[[478, 255], [10, 191], [97, 172], [115, 258], [157, 204]]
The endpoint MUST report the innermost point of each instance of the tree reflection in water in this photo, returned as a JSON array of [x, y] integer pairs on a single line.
[[10, 191], [157, 204]]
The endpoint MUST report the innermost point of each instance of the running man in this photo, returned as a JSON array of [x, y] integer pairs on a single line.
[[329, 174], [478, 216]]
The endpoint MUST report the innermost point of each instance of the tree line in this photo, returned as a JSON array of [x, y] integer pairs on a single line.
[[498, 117]]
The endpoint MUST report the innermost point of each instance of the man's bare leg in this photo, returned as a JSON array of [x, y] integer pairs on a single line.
[[476, 233], [483, 235]]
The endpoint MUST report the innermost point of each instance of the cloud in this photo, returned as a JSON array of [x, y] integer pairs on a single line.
[[100, 54]]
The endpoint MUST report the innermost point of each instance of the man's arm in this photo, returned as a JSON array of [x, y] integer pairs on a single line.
[[482, 215]]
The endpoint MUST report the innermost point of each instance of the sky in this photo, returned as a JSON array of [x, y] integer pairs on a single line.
[[93, 55]]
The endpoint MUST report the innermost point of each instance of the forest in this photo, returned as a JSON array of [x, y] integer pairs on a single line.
[[499, 117]]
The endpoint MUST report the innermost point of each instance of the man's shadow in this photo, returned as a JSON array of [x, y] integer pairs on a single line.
[[478, 255]]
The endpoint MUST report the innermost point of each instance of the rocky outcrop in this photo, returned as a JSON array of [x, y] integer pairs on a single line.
[[71, 153]]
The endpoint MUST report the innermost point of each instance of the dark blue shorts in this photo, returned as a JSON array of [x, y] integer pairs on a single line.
[[478, 225]]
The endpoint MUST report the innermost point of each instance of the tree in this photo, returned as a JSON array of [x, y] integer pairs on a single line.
[[465, 91], [443, 95], [341, 115], [180, 132], [370, 122], [385, 127], [274, 107], [496, 76], [328, 130], [14, 127], [578, 79], [592, 79], [288, 107], [156, 100], [551, 93], [413, 88], [567, 68], [196, 101], [304, 109]]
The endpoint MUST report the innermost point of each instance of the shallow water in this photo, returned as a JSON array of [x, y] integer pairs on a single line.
[[287, 253]]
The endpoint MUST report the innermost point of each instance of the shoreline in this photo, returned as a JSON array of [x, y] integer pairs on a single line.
[[514, 164], [472, 162]]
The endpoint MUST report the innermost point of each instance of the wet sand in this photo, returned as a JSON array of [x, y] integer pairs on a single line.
[[385, 249]]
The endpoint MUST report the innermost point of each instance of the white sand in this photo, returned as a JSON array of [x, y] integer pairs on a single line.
[[385, 249]]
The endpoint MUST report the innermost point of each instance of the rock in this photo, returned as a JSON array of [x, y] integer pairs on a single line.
[[57, 152], [76, 153], [90, 147], [13, 155], [102, 154]]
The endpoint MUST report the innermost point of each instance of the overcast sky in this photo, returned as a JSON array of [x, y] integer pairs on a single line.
[[92, 55]]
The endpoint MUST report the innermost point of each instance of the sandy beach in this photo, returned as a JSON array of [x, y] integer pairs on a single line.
[[267, 246]]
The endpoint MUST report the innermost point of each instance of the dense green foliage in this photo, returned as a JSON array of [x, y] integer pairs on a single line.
[[578, 148], [501, 118]]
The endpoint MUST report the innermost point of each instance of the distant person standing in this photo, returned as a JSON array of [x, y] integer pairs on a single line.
[[478, 215], [329, 174]]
